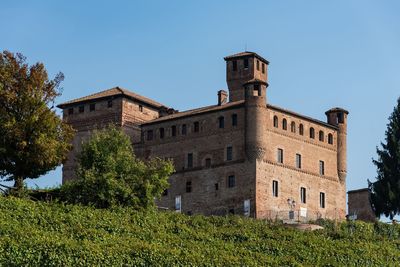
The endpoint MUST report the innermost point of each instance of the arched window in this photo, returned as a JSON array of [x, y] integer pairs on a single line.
[[276, 122], [301, 129], [293, 127], [284, 124], [330, 139], [321, 136], [312, 133]]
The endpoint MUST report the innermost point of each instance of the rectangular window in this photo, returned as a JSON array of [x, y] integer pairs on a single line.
[[221, 122], [231, 181], [208, 162], [263, 68], [234, 65], [173, 130], [109, 104], [256, 91], [258, 64], [183, 129], [298, 161], [196, 127], [140, 108], [275, 188], [70, 111], [188, 186], [216, 186], [322, 200], [303, 195], [149, 135], [178, 203], [162, 133], [234, 119], [190, 160], [92, 107], [81, 109], [229, 153], [280, 155], [321, 167], [246, 63], [246, 208]]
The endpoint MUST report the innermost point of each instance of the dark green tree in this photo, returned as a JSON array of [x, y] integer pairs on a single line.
[[109, 174], [385, 192], [33, 139]]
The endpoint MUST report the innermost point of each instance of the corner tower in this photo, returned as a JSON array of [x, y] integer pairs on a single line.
[[241, 68], [338, 118]]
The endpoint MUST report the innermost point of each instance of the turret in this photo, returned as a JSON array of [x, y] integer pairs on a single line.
[[241, 68], [338, 118]]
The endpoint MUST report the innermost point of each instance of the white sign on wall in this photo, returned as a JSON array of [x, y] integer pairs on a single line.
[[303, 212], [178, 206], [246, 207]]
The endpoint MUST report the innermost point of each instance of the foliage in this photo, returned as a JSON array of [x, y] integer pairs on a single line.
[[33, 139], [385, 196], [68, 235], [109, 174]]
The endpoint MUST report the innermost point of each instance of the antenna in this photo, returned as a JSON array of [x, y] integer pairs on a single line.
[[245, 47]]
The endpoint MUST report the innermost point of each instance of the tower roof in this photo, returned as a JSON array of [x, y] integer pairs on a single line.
[[246, 54], [333, 110]]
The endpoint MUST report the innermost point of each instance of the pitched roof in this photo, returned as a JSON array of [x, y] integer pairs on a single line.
[[116, 91], [196, 111], [246, 54]]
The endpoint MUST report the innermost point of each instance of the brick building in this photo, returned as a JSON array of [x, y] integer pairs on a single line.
[[242, 155]]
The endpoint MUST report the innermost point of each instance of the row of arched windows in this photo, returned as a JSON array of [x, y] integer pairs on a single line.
[[321, 135]]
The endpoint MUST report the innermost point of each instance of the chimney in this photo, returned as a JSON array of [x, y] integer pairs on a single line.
[[222, 97]]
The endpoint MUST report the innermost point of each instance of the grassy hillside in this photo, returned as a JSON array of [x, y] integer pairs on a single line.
[[41, 234]]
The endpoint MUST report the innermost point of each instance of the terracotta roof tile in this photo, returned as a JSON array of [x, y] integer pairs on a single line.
[[245, 54], [112, 92]]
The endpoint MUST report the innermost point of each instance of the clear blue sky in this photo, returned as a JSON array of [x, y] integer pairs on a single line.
[[323, 54]]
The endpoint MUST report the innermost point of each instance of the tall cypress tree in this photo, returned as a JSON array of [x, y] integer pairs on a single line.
[[385, 192]]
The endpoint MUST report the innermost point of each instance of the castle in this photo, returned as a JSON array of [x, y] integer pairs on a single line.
[[242, 155]]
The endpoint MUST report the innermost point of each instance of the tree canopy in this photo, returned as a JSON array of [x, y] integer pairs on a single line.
[[109, 174], [33, 139], [385, 191]]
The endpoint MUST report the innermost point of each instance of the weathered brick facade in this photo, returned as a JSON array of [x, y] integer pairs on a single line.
[[243, 156]]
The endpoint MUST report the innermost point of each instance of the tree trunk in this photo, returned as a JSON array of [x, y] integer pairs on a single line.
[[18, 185]]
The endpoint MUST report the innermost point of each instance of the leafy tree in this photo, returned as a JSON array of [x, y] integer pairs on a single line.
[[109, 174], [33, 139], [385, 192]]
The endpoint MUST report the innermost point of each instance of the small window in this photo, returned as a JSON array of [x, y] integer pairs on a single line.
[[303, 195], [188, 187], [221, 122], [208, 162], [276, 122], [190, 160], [246, 63], [312, 133], [340, 117], [92, 107], [196, 127], [70, 111], [162, 133], [330, 139], [234, 65], [293, 127], [231, 181], [140, 108], [275, 188], [280, 155], [81, 109], [216, 185], [321, 136], [301, 129], [232, 211], [284, 124], [258, 64], [229, 151], [263, 67], [257, 90], [322, 200], [234, 119], [165, 192], [298, 161], [173, 130], [183, 129], [321, 168], [178, 204], [109, 103], [149, 135]]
